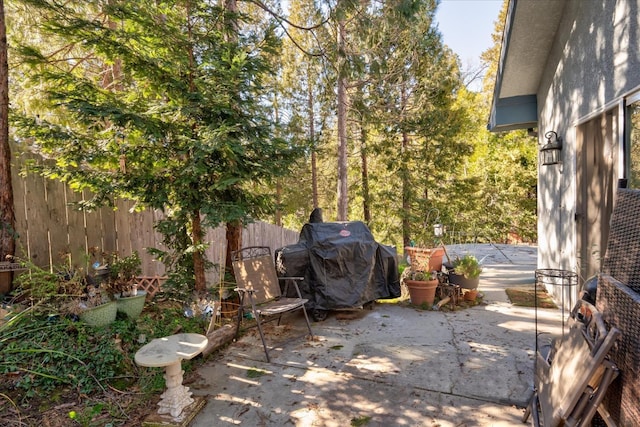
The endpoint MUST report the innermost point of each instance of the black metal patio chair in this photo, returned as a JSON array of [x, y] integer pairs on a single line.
[[258, 284]]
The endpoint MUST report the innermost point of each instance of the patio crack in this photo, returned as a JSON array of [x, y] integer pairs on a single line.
[[458, 352]]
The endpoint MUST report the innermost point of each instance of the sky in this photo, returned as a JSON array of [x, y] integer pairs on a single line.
[[466, 27]]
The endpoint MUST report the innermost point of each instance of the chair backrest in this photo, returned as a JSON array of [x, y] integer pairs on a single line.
[[574, 366], [255, 271], [620, 307], [622, 258]]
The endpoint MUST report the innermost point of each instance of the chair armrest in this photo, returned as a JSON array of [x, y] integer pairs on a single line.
[[245, 290], [290, 278]]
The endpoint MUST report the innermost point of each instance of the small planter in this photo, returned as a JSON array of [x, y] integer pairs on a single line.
[[6, 275], [463, 282], [132, 306], [424, 259], [471, 295], [101, 315], [422, 292]]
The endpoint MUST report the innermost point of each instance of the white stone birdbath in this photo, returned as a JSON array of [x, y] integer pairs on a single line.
[[168, 352]]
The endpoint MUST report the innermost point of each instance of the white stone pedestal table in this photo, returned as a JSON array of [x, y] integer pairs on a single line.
[[168, 352]]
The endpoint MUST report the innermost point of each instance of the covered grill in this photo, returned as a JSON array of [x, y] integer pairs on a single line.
[[342, 265]]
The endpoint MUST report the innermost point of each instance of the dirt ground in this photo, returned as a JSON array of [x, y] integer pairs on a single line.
[[68, 407], [119, 408], [111, 408]]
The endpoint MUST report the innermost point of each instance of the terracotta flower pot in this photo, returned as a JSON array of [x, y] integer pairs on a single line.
[[422, 292], [424, 259], [471, 295]]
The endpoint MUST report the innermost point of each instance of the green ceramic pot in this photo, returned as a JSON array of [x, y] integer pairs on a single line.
[[101, 315], [132, 306]]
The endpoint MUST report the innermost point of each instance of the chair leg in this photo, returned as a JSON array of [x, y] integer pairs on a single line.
[[527, 411], [306, 317], [610, 374], [534, 411], [606, 416], [264, 343], [240, 314]]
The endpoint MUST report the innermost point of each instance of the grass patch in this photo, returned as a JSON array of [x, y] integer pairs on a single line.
[[255, 373], [525, 296], [360, 421]]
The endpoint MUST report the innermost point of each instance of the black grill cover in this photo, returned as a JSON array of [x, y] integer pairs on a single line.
[[342, 266]]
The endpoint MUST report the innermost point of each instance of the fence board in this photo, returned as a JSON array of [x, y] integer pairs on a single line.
[[19, 204], [123, 227], [49, 223], [37, 215], [93, 227], [76, 229], [158, 267], [216, 253], [107, 221], [144, 238], [57, 224]]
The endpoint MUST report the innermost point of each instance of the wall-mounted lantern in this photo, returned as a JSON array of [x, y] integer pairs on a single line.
[[552, 150]]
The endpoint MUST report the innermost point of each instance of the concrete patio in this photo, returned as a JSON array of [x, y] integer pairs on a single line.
[[391, 366]]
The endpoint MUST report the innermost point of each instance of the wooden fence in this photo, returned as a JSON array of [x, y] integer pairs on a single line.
[[52, 232]]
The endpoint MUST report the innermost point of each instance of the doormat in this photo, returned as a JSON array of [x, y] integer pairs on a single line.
[[524, 296]]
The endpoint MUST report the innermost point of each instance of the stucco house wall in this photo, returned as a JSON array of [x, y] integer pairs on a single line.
[[594, 62], [569, 66]]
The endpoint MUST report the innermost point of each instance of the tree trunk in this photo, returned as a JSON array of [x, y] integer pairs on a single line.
[[278, 203], [312, 138], [234, 228], [405, 175], [343, 197], [314, 178], [406, 194], [366, 209], [278, 213], [234, 242], [197, 233], [7, 212], [198, 259]]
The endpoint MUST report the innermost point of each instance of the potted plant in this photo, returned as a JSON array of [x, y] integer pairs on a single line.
[[425, 259], [422, 286], [466, 272], [121, 280], [121, 283], [96, 308], [88, 300], [81, 297]]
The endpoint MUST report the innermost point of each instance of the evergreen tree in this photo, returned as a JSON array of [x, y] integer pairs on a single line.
[[165, 107], [7, 213]]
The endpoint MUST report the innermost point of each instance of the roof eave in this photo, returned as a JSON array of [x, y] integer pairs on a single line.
[[529, 32]]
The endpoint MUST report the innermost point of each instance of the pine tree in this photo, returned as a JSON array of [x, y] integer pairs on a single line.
[[7, 213], [181, 124]]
